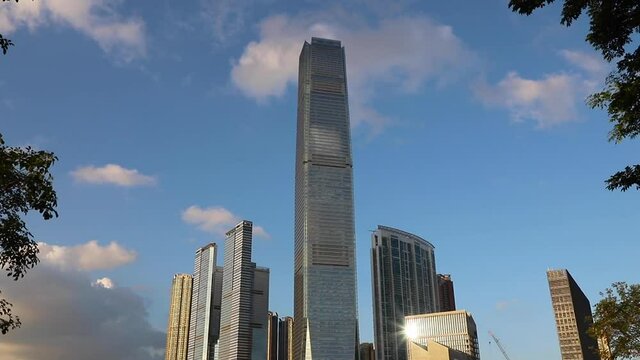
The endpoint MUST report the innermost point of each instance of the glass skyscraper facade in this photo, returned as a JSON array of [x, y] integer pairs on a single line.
[[404, 283], [325, 311], [204, 326], [245, 299], [179, 312]]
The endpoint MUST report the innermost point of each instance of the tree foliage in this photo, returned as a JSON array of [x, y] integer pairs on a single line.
[[613, 26], [25, 185], [616, 320], [4, 42]]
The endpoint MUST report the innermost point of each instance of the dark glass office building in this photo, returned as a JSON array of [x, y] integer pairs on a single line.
[[325, 310]]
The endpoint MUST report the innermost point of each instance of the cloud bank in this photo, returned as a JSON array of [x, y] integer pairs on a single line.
[[122, 37], [112, 174], [89, 256], [217, 220], [403, 53], [65, 317]]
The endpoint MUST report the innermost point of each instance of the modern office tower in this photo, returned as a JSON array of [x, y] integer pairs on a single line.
[[325, 303], [285, 339], [445, 290], [204, 326], [404, 283], [453, 329], [245, 299], [273, 330], [573, 317], [179, 312], [367, 352], [260, 310]]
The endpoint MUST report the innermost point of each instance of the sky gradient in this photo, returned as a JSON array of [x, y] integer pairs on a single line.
[[174, 120]]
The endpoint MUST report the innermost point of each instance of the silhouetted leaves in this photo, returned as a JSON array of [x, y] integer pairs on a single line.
[[4, 42], [25, 185], [612, 26]]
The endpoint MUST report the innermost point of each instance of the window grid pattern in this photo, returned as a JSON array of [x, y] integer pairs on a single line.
[[325, 311], [454, 329], [404, 283]]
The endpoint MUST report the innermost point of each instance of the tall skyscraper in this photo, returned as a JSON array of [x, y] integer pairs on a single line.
[[573, 317], [404, 283], [285, 339], [245, 299], [273, 329], [453, 329], [445, 291], [325, 303], [179, 312], [204, 327]]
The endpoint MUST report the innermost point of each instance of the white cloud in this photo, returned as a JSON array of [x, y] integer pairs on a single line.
[[548, 101], [104, 282], [65, 317], [404, 52], [112, 174], [98, 19], [216, 220], [88, 256], [594, 66]]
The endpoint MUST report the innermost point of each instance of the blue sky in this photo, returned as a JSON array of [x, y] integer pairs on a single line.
[[172, 120]]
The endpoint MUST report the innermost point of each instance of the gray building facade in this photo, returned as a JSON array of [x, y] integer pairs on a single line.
[[245, 299], [573, 317], [404, 283], [325, 300], [204, 325]]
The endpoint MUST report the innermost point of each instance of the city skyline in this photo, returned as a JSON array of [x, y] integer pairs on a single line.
[[468, 128]]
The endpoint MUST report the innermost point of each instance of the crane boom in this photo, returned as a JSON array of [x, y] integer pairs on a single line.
[[499, 345]]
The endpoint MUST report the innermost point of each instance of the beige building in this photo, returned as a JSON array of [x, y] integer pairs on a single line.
[[455, 330], [434, 351], [178, 328]]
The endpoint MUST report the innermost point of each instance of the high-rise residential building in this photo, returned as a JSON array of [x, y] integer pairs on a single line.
[[445, 291], [454, 329], [204, 326], [179, 312], [285, 339], [404, 283], [245, 299], [367, 352], [273, 330], [325, 303], [573, 317]]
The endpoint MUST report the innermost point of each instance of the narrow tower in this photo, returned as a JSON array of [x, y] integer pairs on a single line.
[[325, 312], [179, 312], [573, 317], [204, 327], [245, 299]]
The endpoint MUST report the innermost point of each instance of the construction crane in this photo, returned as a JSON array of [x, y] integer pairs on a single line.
[[499, 346]]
